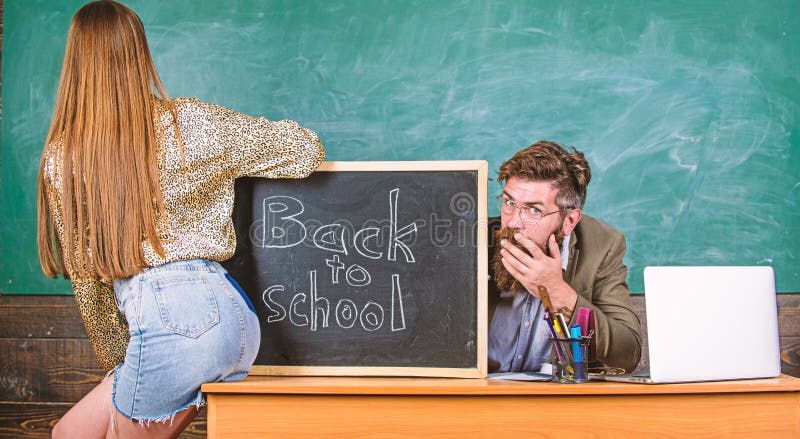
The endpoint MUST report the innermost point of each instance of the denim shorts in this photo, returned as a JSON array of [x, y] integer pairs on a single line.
[[189, 324]]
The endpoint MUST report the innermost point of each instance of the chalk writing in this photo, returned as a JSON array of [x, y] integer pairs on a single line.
[[283, 226]]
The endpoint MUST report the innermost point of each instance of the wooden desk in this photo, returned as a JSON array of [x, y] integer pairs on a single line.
[[441, 407]]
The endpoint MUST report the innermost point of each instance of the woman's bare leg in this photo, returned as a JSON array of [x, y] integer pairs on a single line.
[[89, 417], [125, 428]]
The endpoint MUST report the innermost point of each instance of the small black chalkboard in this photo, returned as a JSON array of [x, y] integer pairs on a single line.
[[367, 268]]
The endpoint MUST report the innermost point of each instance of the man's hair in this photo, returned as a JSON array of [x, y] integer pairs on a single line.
[[548, 161]]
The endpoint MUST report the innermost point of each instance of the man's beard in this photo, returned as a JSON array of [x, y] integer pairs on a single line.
[[502, 278]]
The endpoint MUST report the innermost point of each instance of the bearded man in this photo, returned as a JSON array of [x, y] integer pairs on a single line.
[[544, 239]]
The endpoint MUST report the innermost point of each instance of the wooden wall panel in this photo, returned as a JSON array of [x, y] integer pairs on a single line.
[[47, 370], [27, 420], [789, 314], [790, 355], [26, 316], [56, 317], [35, 420], [47, 364]]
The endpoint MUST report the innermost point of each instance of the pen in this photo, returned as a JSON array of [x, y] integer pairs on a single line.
[[561, 331], [545, 296], [558, 319], [561, 352], [577, 353], [583, 320], [553, 334], [559, 325], [563, 322]]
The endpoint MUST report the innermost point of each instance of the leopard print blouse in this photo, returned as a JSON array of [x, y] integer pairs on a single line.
[[197, 183]]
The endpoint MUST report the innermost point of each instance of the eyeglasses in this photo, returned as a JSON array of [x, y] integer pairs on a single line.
[[527, 213]]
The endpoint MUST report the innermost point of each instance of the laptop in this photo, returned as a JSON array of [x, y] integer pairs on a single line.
[[709, 324]]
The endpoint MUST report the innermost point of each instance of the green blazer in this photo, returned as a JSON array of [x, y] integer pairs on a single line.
[[596, 272]]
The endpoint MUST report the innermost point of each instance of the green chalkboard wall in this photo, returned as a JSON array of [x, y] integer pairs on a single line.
[[688, 111]]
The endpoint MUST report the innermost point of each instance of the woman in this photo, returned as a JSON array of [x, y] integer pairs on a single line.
[[135, 199]]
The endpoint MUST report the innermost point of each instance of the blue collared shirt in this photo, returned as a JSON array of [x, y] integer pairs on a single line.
[[519, 340]]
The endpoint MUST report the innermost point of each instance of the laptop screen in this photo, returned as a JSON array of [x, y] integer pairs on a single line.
[[711, 323]]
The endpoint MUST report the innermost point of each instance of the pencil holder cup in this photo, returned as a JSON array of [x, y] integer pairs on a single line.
[[569, 357]]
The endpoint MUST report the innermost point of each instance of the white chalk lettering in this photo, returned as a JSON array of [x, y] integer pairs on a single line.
[[283, 229], [315, 301], [325, 238], [357, 276], [276, 311], [302, 319], [360, 243], [371, 316], [336, 265], [397, 297], [346, 313], [395, 236], [277, 227]]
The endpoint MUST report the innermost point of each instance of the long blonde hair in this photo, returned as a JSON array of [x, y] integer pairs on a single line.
[[104, 119]]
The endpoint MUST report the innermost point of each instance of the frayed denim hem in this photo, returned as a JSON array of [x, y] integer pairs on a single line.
[[198, 402]]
